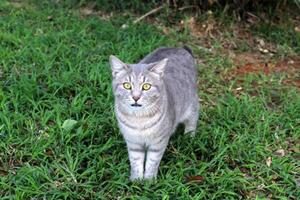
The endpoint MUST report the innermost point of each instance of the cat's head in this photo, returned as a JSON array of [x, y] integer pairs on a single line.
[[137, 86]]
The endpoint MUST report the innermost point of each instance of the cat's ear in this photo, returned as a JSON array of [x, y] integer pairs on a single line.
[[117, 65], [159, 67]]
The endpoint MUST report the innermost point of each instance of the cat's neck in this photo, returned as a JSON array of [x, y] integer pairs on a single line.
[[155, 108]]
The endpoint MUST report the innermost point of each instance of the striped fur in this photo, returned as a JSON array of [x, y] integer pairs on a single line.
[[172, 99]]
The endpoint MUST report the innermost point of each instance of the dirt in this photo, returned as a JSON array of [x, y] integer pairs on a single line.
[[90, 9], [255, 66], [261, 57], [295, 83]]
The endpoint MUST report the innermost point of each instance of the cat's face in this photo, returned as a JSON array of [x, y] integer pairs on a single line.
[[137, 86]]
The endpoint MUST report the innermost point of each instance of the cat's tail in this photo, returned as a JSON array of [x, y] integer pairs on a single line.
[[188, 49]]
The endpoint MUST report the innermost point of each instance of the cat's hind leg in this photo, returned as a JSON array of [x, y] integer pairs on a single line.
[[191, 120]]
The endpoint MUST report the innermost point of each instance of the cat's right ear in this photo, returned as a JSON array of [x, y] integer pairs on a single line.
[[117, 65]]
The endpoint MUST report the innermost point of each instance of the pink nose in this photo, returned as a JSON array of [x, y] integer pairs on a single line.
[[136, 98]]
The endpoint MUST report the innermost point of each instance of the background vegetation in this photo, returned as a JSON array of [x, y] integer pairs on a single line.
[[58, 135]]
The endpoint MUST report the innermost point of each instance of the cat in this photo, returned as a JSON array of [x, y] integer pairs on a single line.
[[151, 98]]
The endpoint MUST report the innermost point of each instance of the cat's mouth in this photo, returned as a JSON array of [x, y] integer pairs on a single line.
[[136, 105]]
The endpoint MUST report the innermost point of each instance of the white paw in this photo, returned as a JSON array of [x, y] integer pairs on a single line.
[[135, 177], [150, 176]]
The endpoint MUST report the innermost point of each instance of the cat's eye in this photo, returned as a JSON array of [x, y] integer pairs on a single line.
[[127, 85], [146, 86]]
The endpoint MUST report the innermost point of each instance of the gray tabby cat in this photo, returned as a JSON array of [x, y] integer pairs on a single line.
[[151, 99]]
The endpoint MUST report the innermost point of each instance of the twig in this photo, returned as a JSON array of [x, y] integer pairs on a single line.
[[148, 13], [187, 7], [252, 15]]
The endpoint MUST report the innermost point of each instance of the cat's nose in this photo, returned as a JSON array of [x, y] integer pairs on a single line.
[[136, 98]]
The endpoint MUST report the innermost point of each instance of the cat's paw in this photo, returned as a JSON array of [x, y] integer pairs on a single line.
[[150, 180], [136, 177], [150, 176]]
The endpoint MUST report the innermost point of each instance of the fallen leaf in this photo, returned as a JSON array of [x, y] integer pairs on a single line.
[[57, 183], [166, 31], [17, 4], [49, 152], [69, 124], [124, 26], [244, 170], [280, 152], [51, 123], [211, 2], [50, 18], [298, 182], [86, 11], [3, 172], [263, 50], [269, 161], [261, 42], [89, 102], [197, 179], [261, 186], [104, 15]]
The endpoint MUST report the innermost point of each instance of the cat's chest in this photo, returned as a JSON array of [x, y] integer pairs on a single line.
[[136, 124], [135, 128]]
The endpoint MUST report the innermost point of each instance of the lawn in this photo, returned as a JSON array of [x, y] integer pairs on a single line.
[[59, 138]]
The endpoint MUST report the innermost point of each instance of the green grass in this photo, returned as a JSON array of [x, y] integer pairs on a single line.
[[52, 70]]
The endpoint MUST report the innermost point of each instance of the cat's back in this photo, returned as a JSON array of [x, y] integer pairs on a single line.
[[180, 77], [180, 66], [175, 56]]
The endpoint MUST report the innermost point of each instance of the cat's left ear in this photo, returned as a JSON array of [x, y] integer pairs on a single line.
[[159, 67], [117, 65]]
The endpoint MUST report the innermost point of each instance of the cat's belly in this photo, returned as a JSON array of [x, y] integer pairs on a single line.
[[145, 131]]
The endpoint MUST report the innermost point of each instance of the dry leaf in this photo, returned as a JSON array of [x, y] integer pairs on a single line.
[[86, 11], [3, 172], [261, 42], [263, 50], [89, 102], [57, 183], [208, 30], [104, 15], [244, 170], [197, 179], [280, 152], [211, 2], [269, 161], [166, 31], [298, 182], [124, 26], [49, 152], [50, 18]]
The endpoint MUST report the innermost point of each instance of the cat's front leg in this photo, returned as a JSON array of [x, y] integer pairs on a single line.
[[136, 153], [154, 156]]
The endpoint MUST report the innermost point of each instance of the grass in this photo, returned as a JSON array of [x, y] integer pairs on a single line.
[[54, 68]]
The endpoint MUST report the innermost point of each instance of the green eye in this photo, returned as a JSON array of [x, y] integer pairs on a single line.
[[127, 85], [146, 86]]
